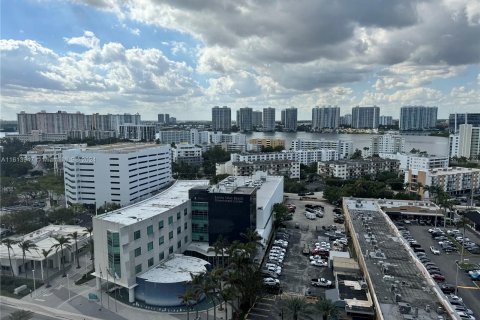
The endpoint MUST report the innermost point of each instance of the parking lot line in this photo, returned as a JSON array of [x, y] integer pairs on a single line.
[[469, 287]]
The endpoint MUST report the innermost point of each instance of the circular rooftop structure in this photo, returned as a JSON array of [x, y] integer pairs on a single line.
[[162, 285]]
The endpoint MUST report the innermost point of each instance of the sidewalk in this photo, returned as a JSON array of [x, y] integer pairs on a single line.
[[65, 297]]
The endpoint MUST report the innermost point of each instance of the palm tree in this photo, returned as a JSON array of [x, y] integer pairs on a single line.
[[26, 246], [9, 243], [221, 243], [186, 298], [45, 254], [74, 235], [297, 307], [227, 294], [20, 315], [61, 243], [251, 235], [327, 309]]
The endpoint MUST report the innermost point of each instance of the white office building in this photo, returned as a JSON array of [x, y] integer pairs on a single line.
[[465, 143], [132, 241], [344, 148], [118, 173]]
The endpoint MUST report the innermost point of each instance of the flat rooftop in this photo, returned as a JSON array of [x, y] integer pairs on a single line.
[[43, 238], [171, 197], [424, 208], [384, 254], [177, 269], [452, 170], [121, 147], [264, 184]]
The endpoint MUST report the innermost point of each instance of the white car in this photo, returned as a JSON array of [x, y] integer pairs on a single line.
[[271, 282], [271, 265], [318, 263], [434, 250], [277, 270], [313, 258], [279, 248]]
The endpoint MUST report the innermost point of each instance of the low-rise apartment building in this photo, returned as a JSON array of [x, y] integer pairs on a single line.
[[353, 169], [187, 153], [344, 148], [305, 157], [286, 168]]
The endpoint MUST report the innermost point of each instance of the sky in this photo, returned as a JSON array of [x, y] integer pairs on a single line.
[[184, 57]]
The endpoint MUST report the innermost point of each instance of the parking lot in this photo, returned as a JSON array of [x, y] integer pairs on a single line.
[[446, 262]]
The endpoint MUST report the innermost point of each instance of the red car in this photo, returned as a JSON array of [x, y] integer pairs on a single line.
[[438, 277]]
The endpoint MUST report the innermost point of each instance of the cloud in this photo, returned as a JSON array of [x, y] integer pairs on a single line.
[[88, 40]]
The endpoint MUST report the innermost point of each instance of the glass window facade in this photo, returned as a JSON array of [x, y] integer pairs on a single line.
[[113, 250], [200, 221]]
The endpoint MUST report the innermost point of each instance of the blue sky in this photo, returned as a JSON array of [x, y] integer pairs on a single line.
[[185, 57]]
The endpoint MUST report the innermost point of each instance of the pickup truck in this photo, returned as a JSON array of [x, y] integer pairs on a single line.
[[321, 282]]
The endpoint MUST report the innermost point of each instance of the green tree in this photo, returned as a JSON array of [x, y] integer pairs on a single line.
[[9, 244], [281, 213], [62, 216], [62, 243], [107, 207], [327, 309], [75, 235], [187, 299], [297, 307], [211, 157], [25, 246], [45, 254], [20, 315], [25, 221], [357, 154]]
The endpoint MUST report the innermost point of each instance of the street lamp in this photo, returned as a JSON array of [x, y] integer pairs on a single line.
[[33, 273], [68, 285]]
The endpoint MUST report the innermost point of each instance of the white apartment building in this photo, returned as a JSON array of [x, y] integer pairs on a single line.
[[187, 153], [119, 173], [174, 136], [325, 117], [287, 168], [417, 162], [353, 169], [137, 132], [344, 148], [268, 119], [453, 180], [135, 239], [465, 143], [387, 143], [305, 157]]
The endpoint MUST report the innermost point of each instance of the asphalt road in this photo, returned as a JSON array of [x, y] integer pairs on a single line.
[[446, 263]]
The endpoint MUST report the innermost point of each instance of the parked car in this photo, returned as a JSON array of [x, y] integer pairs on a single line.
[[463, 309], [447, 288], [434, 250], [271, 282], [321, 282], [465, 316], [438, 277], [319, 263]]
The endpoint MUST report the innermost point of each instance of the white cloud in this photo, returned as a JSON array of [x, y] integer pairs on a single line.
[[88, 40]]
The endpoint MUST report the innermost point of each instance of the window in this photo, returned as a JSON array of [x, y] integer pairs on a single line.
[[161, 255], [150, 262], [136, 235], [160, 224], [178, 215], [185, 226], [186, 239], [170, 250], [179, 244], [170, 235], [138, 268], [170, 220], [150, 246], [185, 211], [150, 230], [179, 230], [138, 251]]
